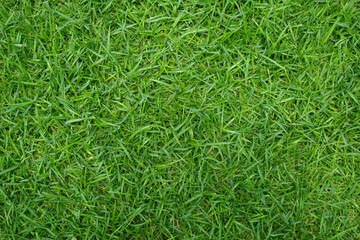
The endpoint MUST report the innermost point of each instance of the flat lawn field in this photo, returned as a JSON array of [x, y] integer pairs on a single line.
[[184, 119]]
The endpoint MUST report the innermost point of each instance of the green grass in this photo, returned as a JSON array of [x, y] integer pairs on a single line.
[[179, 119]]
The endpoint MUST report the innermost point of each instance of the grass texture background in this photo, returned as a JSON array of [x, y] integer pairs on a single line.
[[179, 119]]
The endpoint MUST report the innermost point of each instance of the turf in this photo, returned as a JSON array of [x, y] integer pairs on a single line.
[[179, 119]]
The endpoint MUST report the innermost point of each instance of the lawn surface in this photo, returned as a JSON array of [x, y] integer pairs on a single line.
[[179, 119]]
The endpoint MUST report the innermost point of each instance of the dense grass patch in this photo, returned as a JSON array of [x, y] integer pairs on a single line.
[[179, 119]]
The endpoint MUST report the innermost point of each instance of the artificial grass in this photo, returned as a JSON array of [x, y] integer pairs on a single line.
[[179, 119]]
